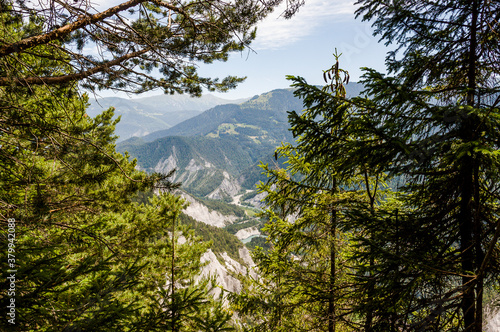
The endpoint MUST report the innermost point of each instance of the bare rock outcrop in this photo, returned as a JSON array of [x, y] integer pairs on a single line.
[[229, 186], [256, 201], [223, 278], [225, 270], [200, 212], [247, 232]]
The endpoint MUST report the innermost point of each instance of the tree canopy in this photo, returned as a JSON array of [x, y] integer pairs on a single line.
[[88, 254], [135, 45], [424, 255]]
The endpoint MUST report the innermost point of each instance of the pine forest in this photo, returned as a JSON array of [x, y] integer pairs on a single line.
[[371, 206]]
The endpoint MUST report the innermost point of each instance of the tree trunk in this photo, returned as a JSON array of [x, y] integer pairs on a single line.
[[478, 252], [371, 285], [172, 272], [466, 246], [331, 298], [467, 222]]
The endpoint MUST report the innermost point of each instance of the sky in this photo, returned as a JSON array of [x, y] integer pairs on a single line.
[[300, 46]]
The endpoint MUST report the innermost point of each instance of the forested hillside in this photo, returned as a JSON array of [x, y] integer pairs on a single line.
[[225, 143]]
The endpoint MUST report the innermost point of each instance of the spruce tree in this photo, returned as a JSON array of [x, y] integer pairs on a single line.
[[305, 273], [424, 260], [435, 122]]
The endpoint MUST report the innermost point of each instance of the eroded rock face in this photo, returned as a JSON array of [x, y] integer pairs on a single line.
[[201, 213], [190, 173], [229, 186], [168, 164], [257, 200], [226, 273], [246, 257], [247, 232], [492, 318], [223, 278]]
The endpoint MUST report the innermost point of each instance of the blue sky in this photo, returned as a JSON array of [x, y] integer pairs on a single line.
[[301, 46]]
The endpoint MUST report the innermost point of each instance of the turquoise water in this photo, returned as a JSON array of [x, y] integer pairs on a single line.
[[248, 239]]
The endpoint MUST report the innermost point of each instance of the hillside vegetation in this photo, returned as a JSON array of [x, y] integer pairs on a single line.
[[223, 146]]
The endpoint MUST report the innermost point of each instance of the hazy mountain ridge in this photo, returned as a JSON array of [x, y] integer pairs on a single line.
[[219, 148], [143, 116], [217, 153], [267, 111]]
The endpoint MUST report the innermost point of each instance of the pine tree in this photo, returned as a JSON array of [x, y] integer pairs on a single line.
[[137, 45]]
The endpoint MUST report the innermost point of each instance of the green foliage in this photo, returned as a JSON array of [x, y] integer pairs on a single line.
[[143, 197], [90, 253], [435, 123]]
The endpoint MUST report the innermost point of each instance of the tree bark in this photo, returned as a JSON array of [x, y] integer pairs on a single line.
[[331, 298], [51, 80], [467, 191]]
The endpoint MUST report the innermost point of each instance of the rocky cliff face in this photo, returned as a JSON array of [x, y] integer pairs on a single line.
[[199, 175], [226, 270], [257, 201], [492, 317], [200, 212], [167, 164], [245, 233], [228, 187]]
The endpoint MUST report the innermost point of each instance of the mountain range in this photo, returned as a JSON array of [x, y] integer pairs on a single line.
[[216, 153], [143, 116]]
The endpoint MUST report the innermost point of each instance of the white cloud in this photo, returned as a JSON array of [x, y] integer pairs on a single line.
[[276, 32], [105, 4]]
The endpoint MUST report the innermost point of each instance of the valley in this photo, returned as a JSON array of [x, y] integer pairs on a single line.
[[216, 155]]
